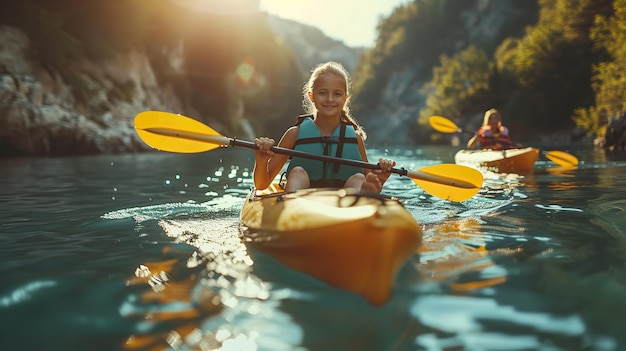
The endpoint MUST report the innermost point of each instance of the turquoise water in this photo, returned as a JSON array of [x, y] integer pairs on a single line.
[[142, 252]]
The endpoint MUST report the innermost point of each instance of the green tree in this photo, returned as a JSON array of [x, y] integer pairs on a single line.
[[459, 84], [550, 67], [609, 79], [405, 39]]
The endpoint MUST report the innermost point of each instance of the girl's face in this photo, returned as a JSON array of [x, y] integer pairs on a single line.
[[329, 94], [494, 120]]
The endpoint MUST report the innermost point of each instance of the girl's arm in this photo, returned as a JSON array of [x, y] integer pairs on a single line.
[[473, 141], [268, 164]]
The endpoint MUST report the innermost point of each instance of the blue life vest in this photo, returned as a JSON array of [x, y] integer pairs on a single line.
[[342, 143]]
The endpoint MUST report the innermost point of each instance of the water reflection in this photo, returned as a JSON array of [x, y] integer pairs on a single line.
[[461, 322], [455, 253], [533, 262], [471, 281], [609, 212], [183, 295]]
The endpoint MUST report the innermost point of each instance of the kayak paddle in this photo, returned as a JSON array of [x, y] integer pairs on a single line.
[[444, 125], [175, 133]]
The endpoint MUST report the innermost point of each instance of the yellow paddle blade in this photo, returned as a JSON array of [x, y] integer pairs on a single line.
[[175, 133], [443, 125], [462, 182], [562, 158]]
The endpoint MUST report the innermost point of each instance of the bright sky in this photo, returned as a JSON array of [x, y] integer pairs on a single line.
[[351, 21]]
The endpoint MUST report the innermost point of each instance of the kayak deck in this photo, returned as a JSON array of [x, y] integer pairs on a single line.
[[501, 161], [353, 241]]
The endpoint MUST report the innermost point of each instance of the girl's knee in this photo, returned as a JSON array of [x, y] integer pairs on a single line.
[[357, 177], [355, 181], [297, 172], [297, 179]]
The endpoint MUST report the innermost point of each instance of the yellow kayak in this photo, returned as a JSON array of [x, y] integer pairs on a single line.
[[353, 241], [500, 161]]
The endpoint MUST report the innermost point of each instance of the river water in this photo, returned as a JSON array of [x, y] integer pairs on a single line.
[[142, 252]]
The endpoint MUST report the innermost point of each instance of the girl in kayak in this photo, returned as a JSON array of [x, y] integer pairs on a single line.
[[329, 130], [492, 135]]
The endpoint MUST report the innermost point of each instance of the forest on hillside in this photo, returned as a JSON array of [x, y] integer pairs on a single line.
[[566, 69], [554, 65]]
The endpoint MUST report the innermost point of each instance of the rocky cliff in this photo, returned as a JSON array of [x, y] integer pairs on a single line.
[[43, 115], [457, 25], [311, 46], [91, 111]]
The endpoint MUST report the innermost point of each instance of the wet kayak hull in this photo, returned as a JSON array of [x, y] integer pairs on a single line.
[[500, 161], [353, 241]]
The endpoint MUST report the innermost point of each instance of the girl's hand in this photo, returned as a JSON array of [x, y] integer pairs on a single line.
[[385, 169], [265, 146], [386, 165], [374, 179]]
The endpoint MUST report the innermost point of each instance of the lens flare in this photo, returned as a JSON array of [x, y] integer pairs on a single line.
[[245, 71]]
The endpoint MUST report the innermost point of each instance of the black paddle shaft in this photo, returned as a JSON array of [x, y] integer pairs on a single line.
[[290, 152]]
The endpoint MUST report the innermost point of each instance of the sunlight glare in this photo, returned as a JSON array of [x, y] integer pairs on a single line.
[[223, 7]]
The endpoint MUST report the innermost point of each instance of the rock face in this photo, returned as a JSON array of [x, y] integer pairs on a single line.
[[482, 24], [311, 46], [91, 110], [45, 115]]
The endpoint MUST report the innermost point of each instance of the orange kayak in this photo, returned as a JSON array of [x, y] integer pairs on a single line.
[[352, 241], [500, 161]]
